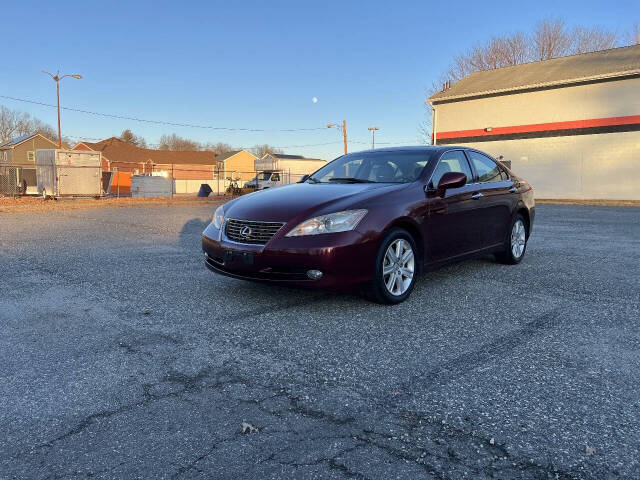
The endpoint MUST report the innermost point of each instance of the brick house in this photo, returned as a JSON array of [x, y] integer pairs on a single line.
[[569, 125]]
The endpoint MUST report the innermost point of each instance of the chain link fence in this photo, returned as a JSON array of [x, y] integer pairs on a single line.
[[88, 180], [240, 182], [11, 183], [189, 181]]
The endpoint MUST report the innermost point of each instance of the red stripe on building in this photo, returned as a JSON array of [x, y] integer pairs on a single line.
[[541, 127]]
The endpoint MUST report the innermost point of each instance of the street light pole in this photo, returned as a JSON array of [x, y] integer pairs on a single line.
[[344, 132], [56, 78], [58, 103], [373, 136]]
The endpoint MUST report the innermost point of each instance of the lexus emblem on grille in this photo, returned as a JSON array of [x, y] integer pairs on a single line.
[[245, 231]]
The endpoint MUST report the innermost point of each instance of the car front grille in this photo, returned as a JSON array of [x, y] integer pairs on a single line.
[[249, 231]]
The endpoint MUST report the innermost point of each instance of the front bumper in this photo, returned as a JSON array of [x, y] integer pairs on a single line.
[[346, 259]]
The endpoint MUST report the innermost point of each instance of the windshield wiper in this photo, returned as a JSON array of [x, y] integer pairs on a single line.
[[350, 180], [313, 180]]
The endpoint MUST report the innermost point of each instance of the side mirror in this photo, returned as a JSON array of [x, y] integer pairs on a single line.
[[451, 180], [304, 178]]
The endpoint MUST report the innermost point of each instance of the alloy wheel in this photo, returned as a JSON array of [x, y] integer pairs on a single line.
[[518, 239], [398, 267]]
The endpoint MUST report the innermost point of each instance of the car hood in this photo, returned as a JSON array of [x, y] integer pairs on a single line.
[[283, 204]]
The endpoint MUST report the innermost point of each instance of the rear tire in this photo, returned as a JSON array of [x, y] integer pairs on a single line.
[[396, 268], [516, 242]]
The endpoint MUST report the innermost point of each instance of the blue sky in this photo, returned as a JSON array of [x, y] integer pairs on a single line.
[[255, 64]]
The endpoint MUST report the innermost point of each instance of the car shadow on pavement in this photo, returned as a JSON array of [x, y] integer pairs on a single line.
[[191, 233]]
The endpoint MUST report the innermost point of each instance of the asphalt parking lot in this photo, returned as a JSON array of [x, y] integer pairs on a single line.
[[123, 357]]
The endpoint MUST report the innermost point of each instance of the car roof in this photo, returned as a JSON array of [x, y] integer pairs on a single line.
[[414, 148]]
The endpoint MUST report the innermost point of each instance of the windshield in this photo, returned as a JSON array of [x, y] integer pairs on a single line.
[[375, 167]]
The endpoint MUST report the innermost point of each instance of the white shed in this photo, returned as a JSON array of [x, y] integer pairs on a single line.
[[151, 186]]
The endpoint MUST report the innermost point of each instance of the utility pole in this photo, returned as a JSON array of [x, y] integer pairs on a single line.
[[56, 78], [373, 136], [344, 132]]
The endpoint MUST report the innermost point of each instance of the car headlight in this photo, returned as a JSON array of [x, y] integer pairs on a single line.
[[218, 217], [331, 223]]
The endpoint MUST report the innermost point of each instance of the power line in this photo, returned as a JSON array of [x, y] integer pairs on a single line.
[[408, 142], [359, 142], [161, 122], [81, 137], [310, 145], [209, 127]]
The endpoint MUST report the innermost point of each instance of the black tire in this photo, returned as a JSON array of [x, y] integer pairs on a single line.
[[378, 291], [507, 256]]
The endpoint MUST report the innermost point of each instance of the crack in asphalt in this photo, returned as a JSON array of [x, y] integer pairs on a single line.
[[190, 384], [192, 465], [298, 432], [198, 382], [439, 430], [430, 461], [459, 365]]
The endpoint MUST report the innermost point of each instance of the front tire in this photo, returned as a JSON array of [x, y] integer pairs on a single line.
[[396, 268], [516, 242]]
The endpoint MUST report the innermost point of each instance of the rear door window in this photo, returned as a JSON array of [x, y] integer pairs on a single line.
[[486, 168]]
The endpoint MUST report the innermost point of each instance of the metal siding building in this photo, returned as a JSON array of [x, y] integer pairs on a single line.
[[570, 125]]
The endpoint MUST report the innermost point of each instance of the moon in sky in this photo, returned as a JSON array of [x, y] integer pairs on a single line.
[[314, 99]]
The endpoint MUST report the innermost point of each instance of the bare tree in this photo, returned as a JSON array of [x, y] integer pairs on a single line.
[[587, 40], [129, 137], [516, 49], [633, 36], [176, 142], [46, 130], [262, 150], [551, 39], [425, 127], [498, 52], [14, 123], [219, 148]]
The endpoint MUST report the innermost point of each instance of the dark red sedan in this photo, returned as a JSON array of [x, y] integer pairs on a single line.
[[375, 218]]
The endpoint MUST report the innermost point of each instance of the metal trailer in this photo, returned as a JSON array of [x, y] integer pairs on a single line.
[[69, 173]]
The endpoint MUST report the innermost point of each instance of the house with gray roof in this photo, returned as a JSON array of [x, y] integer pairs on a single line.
[[18, 159]]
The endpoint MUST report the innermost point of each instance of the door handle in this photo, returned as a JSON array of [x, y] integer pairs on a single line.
[[477, 195]]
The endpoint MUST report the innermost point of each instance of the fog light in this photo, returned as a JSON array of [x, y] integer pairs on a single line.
[[314, 274]]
